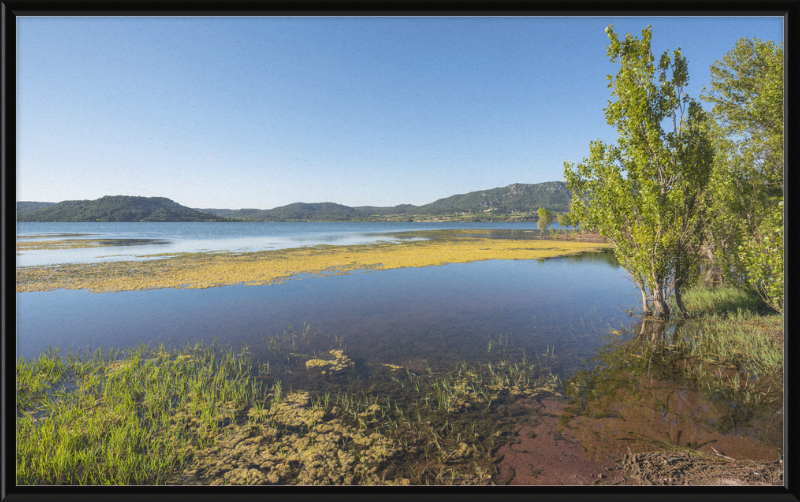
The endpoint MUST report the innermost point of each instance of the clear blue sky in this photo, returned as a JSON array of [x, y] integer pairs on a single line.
[[261, 112]]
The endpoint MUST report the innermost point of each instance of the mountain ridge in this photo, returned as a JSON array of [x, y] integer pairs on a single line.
[[117, 208], [516, 201], [517, 197]]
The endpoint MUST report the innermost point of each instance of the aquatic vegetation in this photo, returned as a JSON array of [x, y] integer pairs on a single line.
[[340, 362], [292, 442], [202, 415], [204, 270], [65, 244], [102, 420]]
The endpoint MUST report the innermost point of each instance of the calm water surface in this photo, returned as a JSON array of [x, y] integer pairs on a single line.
[[446, 313], [421, 316]]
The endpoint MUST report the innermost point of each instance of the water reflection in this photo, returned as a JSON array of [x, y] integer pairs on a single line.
[[646, 392], [441, 315]]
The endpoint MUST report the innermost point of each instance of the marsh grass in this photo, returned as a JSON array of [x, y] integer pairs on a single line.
[[122, 417], [150, 416], [732, 328]]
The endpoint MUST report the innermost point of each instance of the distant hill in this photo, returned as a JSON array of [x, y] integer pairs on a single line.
[[24, 207], [118, 208], [518, 197], [298, 211], [554, 195], [230, 213]]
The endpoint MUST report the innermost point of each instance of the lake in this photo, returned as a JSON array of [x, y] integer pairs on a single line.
[[151, 238], [562, 309], [450, 311]]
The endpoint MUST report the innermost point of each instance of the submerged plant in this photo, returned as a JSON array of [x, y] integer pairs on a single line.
[[199, 414]]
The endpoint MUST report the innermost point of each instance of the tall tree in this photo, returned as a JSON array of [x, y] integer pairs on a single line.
[[545, 219], [645, 194], [746, 191]]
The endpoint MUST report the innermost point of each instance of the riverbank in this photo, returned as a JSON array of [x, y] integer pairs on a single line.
[[204, 270]]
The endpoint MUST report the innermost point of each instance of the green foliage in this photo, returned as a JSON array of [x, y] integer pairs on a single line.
[[645, 193], [545, 219], [565, 220], [574, 219], [119, 208], [747, 180], [762, 257], [747, 94]]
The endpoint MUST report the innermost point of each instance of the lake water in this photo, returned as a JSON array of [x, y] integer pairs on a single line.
[[446, 313], [139, 239]]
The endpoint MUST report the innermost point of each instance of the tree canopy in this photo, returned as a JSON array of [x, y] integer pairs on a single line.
[[746, 191], [645, 193]]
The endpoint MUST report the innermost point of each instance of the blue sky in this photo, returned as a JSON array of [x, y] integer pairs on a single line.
[[259, 112]]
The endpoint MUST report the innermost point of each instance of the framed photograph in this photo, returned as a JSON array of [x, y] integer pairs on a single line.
[[343, 251]]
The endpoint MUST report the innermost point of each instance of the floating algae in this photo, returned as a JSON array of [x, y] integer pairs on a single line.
[[372, 440], [204, 270], [295, 443], [83, 243], [340, 362]]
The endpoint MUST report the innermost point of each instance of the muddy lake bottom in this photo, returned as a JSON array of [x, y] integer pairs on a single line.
[[558, 312]]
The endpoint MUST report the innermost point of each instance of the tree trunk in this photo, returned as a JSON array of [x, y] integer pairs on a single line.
[[713, 275], [660, 302], [679, 276], [679, 299], [645, 305]]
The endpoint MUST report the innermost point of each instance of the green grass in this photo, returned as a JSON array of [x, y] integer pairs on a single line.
[[731, 348], [732, 328], [721, 300], [121, 417]]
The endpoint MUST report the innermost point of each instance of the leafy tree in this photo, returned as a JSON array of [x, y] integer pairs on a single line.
[[545, 219], [762, 257], [747, 180], [564, 220], [645, 194]]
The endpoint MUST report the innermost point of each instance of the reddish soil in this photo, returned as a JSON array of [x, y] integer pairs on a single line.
[[586, 237], [545, 457]]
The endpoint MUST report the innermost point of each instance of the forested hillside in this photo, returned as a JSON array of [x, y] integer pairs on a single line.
[[119, 208], [515, 198]]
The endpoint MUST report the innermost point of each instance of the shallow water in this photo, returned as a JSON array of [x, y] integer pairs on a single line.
[[439, 314], [155, 238]]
